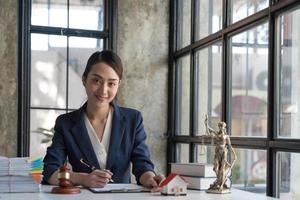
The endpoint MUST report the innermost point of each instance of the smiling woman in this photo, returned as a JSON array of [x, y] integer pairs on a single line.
[[101, 78], [102, 133]]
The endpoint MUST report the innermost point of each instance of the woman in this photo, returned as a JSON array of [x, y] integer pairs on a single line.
[[101, 134]]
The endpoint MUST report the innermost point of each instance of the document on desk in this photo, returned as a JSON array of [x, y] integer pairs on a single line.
[[120, 188]]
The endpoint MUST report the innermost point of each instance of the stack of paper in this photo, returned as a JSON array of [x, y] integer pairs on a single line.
[[16, 174], [4, 166], [19, 166]]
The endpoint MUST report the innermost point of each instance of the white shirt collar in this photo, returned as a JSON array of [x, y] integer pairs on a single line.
[[100, 148]]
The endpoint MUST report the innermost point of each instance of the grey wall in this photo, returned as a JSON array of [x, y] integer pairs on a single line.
[[143, 46], [8, 77]]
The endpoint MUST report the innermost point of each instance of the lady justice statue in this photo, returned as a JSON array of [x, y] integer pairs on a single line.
[[222, 166]]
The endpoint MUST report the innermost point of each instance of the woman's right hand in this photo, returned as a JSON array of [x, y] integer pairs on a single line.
[[97, 178]]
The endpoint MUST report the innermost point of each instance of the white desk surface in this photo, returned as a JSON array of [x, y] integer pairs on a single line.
[[87, 195]]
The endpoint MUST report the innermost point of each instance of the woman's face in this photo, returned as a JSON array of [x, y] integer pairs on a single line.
[[101, 84]]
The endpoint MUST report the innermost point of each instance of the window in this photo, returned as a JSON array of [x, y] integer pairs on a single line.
[[287, 172], [241, 9], [208, 19], [183, 82], [208, 62], [288, 61], [59, 42], [248, 59], [287, 64], [237, 61]]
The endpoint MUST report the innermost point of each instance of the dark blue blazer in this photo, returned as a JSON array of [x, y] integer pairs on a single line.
[[127, 144]]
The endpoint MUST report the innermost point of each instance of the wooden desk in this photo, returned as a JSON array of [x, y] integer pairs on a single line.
[[87, 195]]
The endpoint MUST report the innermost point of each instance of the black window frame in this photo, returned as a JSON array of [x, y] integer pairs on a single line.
[[271, 143], [24, 52]]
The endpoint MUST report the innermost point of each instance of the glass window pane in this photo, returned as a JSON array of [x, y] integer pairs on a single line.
[[183, 23], [41, 119], [40, 13], [91, 10], [49, 13], [80, 50], [288, 175], [48, 71], [249, 62], [241, 9], [249, 170], [208, 17], [205, 154], [182, 153], [208, 62], [288, 62], [183, 96]]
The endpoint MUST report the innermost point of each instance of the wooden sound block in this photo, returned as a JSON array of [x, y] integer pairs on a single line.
[[65, 190]]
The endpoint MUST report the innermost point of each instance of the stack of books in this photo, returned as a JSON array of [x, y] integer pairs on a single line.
[[199, 176], [20, 174]]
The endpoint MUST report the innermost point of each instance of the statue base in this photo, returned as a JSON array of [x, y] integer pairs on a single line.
[[218, 191], [65, 190]]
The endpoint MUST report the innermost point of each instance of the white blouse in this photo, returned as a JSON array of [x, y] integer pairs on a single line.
[[100, 147]]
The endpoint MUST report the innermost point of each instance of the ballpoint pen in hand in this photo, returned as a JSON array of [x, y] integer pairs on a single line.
[[94, 168]]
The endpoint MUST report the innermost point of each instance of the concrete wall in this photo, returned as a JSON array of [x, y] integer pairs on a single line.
[[143, 46], [8, 77]]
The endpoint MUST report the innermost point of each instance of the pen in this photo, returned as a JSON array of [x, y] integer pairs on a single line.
[[86, 164], [107, 170], [94, 168]]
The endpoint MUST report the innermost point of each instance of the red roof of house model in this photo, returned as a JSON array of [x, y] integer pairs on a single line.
[[168, 179]]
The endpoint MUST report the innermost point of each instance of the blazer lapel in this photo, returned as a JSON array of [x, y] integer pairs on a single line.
[[117, 132], [81, 136]]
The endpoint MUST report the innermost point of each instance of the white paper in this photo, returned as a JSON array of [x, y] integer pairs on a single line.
[[121, 187]]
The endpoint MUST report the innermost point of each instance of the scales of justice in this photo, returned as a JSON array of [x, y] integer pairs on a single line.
[[222, 165]]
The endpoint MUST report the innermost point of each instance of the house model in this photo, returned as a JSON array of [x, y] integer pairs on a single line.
[[174, 185]]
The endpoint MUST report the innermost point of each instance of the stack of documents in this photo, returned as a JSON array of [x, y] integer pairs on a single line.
[[4, 166], [17, 174]]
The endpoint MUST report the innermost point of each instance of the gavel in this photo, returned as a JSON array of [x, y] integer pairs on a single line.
[[65, 184]]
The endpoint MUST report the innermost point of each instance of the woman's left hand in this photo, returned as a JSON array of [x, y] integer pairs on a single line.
[[150, 180], [158, 179]]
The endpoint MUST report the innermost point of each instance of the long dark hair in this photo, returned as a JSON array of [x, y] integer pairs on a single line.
[[108, 57]]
